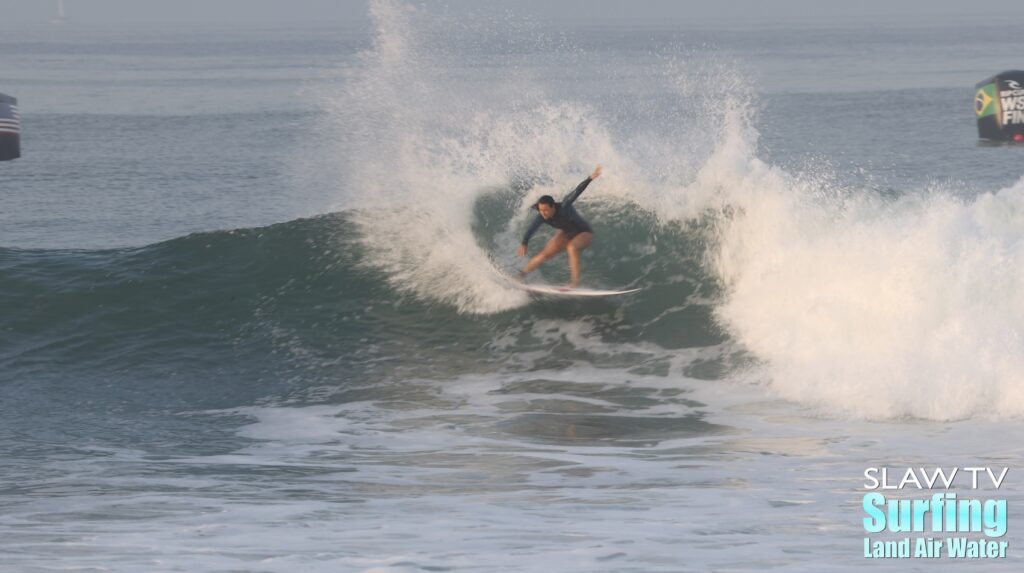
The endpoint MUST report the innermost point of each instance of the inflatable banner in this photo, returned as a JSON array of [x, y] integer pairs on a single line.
[[999, 107], [10, 128]]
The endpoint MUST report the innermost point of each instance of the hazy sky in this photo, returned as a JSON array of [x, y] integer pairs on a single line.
[[594, 11]]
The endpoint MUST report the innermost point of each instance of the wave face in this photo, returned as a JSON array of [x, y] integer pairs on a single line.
[[306, 294], [860, 303]]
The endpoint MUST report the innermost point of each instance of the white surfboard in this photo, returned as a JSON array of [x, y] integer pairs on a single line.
[[552, 290], [557, 290]]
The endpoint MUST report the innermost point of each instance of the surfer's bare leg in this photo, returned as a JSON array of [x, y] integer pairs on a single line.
[[573, 249], [555, 245]]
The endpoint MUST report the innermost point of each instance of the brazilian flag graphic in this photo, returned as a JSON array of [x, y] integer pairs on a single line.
[[985, 100]]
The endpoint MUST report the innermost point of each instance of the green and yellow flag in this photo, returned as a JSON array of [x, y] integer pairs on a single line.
[[985, 100]]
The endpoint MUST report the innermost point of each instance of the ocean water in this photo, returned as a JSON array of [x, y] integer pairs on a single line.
[[251, 315]]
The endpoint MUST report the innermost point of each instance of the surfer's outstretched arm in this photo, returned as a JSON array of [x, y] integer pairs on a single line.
[[537, 222], [572, 196]]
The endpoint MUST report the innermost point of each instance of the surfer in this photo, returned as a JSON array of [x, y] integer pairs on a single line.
[[574, 234]]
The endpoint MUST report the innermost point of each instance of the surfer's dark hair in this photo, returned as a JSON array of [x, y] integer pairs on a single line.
[[546, 199]]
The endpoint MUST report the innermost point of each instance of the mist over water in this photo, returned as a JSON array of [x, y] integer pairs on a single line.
[[420, 147]]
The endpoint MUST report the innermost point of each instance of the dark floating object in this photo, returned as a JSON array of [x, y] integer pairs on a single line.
[[999, 106], [10, 128]]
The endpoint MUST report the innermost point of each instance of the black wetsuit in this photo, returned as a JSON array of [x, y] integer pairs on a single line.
[[565, 218]]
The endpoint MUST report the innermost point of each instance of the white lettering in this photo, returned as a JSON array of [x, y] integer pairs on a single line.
[[870, 474], [946, 480], [974, 476], [1012, 103], [910, 477], [1013, 117], [992, 476]]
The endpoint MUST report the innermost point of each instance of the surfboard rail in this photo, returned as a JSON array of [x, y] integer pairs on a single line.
[[553, 290]]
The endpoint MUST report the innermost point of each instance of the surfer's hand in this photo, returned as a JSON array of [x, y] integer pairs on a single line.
[[522, 251], [596, 173]]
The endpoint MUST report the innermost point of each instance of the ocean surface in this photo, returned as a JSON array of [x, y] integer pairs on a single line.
[[252, 315]]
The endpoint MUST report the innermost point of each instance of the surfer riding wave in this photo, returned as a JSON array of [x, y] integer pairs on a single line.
[[573, 236]]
